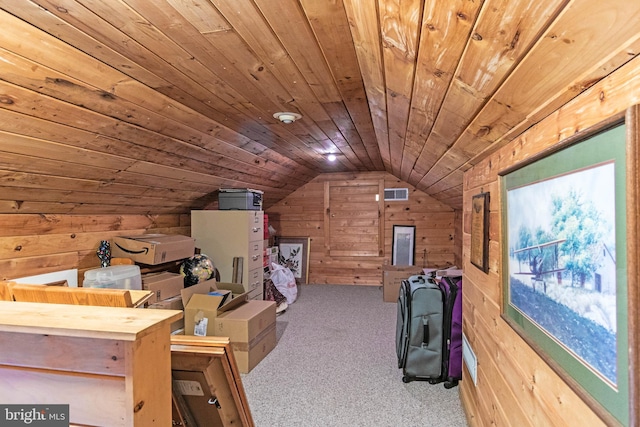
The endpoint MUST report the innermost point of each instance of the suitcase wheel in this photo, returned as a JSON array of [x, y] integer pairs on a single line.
[[406, 379], [450, 384]]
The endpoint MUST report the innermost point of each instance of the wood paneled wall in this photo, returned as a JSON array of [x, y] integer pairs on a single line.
[[32, 244], [515, 386], [38, 244], [302, 214]]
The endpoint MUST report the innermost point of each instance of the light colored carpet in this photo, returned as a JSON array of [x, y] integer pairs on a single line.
[[335, 365]]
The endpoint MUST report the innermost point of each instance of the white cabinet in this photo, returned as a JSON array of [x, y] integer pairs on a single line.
[[223, 235]]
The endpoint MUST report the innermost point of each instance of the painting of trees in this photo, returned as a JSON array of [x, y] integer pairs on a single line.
[[567, 287], [556, 228]]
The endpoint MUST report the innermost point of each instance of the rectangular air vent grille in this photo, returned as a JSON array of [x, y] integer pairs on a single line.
[[469, 359], [396, 194]]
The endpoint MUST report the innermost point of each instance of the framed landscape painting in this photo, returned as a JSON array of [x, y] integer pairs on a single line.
[[565, 267]]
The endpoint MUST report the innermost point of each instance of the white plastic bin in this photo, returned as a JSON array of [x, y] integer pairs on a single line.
[[116, 276]]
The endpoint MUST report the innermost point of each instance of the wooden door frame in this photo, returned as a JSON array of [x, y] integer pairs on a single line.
[[327, 210]]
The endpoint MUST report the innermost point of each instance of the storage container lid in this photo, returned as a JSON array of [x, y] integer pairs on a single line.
[[240, 190], [121, 276]]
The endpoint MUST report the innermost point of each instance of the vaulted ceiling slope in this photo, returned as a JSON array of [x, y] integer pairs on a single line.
[[153, 105]]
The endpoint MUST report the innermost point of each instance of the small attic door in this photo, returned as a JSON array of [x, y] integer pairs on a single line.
[[354, 218]]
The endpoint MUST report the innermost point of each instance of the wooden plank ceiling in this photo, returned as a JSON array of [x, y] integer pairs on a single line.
[[140, 106]]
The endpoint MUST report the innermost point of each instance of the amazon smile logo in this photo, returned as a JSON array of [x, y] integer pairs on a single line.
[[143, 251]]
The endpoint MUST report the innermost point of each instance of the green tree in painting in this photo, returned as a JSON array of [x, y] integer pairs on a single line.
[[547, 259], [537, 259], [579, 222], [524, 241]]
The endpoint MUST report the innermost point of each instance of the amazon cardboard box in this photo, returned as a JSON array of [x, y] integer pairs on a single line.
[[164, 285], [153, 249], [392, 277]]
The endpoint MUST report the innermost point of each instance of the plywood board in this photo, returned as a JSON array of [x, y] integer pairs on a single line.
[[76, 296]]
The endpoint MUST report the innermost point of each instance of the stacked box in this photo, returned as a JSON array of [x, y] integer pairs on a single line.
[[222, 309], [392, 276], [153, 249], [251, 328], [173, 303], [164, 285]]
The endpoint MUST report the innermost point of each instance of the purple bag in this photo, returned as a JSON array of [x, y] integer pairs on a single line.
[[452, 288]]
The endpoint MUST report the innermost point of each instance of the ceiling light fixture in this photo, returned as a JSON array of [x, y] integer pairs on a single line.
[[331, 157], [287, 117]]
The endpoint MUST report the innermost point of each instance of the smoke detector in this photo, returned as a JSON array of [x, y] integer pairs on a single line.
[[287, 117]]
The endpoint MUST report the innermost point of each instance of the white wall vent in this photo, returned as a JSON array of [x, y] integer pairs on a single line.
[[470, 359], [396, 194]]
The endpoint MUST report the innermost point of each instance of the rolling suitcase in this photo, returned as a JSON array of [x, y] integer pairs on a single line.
[[451, 284], [419, 329], [429, 328]]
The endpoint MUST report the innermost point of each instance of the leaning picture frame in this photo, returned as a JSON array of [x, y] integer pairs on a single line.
[[293, 253], [403, 247], [207, 386], [570, 258]]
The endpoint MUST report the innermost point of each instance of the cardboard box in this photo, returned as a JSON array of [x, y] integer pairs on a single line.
[[247, 321], [249, 325], [164, 285], [203, 302], [200, 313], [248, 355], [153, 249], [173, 303], [392, 276], [251, 329], [236, 288]]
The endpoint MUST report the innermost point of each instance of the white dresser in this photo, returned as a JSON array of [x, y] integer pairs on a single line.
[[223, 235]]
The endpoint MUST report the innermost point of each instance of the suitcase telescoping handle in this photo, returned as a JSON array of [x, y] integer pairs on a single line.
[[425, 332], [418, 279]]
